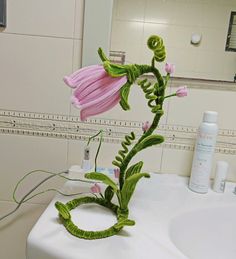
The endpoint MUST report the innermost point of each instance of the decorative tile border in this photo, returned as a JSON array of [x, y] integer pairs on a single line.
[[70, 127]]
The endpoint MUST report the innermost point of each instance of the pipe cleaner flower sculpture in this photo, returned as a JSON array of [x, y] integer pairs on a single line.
[[97, 89]]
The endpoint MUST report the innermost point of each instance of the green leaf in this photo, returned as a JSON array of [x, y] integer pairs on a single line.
[[102, 55], [125, 222], [129, 187], [103, 178], [114, 70], [63, 210], [124, 94], [150, 141], [134, 169], [109, 193]]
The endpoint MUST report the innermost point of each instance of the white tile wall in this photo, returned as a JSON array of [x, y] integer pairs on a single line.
[[41, 44], [131, 10], [38, 76], [49, 18], [199, 101], [21, 154], [127, 36]]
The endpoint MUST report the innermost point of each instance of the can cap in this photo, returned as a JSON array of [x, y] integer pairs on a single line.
[[210, 116], [220, 176]]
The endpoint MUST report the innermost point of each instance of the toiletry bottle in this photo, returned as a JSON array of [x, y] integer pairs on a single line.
[[203, 153], [86, 164], [220, 176]]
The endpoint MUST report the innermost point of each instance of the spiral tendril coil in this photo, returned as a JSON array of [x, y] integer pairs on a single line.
[[155, 43], [122, 153]]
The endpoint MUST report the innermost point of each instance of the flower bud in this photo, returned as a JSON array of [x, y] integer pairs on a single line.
[[182, 91], [146, 126], [169, 68], [117, 172], [95, 188]]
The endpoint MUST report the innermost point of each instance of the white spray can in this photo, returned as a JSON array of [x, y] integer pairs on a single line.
[[203, 153]]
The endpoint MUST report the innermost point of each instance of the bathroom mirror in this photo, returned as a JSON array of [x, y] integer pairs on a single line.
[[179, 22]]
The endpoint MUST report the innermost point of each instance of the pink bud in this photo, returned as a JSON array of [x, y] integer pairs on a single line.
[[169, 68], [146, 126], [182, 91], [95, 188], [117, 172]]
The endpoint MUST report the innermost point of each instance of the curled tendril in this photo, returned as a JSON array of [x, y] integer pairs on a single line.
[[155, 43], [149, 91], [122, 153]]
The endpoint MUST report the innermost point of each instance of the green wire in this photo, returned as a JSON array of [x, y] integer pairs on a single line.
[[99, 146], [56, 190], [25, 199], [47, 172]]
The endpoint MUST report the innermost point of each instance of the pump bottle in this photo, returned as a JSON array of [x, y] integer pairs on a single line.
[[203, 153]]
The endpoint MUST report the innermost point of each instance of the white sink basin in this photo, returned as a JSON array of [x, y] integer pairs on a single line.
[[206, 233], [171, 223]]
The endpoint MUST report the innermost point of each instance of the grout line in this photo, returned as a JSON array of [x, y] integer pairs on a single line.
[[41, 36], [167, 24]]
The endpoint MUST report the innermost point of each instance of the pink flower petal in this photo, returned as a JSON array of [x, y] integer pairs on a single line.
[[74, 79], [104, 106], [95, 90], [101, 89]]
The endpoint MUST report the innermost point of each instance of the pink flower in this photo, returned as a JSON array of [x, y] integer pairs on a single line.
[[182, 91], [146, 126], [117, 172], [95, 188], [169, 68], [95, 91]]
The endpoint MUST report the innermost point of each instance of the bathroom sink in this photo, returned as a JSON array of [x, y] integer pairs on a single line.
[[172, 222], [206, 233]]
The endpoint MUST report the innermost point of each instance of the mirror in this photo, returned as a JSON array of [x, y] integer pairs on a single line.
[[194, 33]]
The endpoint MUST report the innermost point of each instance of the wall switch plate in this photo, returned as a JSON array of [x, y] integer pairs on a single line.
[[3, 13]]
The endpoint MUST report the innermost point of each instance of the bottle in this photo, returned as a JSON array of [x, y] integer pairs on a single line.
[[203, 153], [220, 176], [86, 164]]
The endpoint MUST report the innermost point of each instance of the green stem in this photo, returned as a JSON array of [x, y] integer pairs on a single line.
[[170, 95], [94, 136], [161, 92], [99, 147], [135, 150]]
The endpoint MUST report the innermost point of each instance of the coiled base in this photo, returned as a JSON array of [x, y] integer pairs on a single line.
[[64, 214]]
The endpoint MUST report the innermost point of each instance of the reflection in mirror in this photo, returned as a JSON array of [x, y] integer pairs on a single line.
[[176, 22]]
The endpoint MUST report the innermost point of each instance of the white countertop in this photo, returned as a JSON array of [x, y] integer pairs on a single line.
[[153, 206]]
